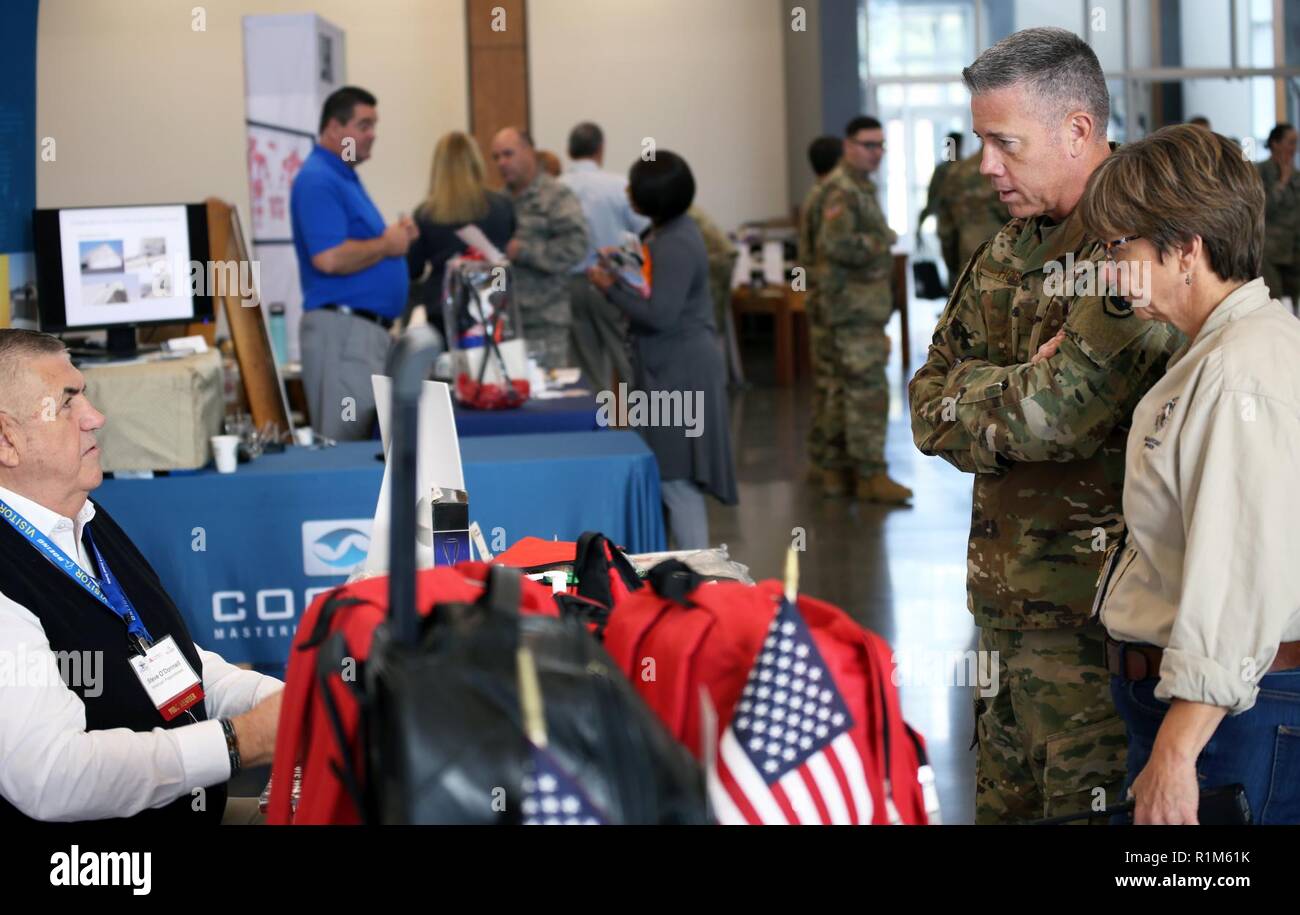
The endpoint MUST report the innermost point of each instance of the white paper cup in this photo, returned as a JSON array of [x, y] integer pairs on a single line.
[[225, 448], [303, 436]]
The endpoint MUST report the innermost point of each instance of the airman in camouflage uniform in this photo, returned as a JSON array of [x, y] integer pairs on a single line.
[[1030, 381], [968, 212], [818, 330], [550, 240], [824, 154], [852, 269], [1281, 230], [552, 236], [722, 263], [933, 194]]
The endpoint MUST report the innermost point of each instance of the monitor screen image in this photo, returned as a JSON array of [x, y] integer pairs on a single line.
[[102, 267]]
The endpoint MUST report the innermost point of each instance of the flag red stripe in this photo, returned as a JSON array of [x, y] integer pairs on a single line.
[[737, 796], [818, 801], [778, 795], [843, 781]]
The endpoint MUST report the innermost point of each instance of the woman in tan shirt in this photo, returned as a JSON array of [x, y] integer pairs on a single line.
[[1201, 597]]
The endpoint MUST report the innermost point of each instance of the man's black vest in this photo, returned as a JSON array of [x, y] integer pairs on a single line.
[[76, 622]]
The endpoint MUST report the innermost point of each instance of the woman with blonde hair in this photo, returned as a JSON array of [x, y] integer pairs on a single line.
[[457, 198], [1201, 595]]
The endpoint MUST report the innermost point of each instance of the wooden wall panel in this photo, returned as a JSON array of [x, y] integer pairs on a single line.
[[479, 20], [498, 72]]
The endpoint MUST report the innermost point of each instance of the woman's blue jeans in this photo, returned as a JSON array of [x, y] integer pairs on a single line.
[[1259, 749]]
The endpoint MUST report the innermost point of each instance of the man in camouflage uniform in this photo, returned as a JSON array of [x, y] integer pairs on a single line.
[[934, 194], [1029, 385], [969, 213], [852, 269], [722, 263], [1281, 215], [550, 240], [824, 154], [722, 266]]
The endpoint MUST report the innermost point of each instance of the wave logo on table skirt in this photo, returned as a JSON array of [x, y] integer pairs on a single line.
[[334, 547]]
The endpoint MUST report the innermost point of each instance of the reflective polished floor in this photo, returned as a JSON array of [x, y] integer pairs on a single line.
[[898, 571]]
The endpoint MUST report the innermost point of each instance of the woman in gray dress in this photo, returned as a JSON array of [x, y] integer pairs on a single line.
[[679, 400]]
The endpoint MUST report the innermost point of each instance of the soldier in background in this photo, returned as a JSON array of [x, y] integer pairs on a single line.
[[722, 266], [1281, 215], [550, 240], [935, 194], [969, 213], [1029, 384], [823, 155], [852, 267]]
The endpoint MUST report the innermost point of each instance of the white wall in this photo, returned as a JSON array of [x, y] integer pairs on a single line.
[[704, 78], [143, 109], [803, 95]]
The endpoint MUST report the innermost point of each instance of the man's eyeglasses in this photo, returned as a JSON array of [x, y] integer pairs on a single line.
[[1110, 246], [870, 144]]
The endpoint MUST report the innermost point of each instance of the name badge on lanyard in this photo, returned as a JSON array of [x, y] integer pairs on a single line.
[[167, 677]]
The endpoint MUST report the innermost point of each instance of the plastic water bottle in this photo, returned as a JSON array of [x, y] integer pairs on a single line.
[[279, 335]]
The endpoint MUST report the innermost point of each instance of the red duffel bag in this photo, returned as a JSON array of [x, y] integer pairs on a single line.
[[808, 726]]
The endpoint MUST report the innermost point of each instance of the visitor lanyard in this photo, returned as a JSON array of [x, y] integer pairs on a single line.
[[106, 590]]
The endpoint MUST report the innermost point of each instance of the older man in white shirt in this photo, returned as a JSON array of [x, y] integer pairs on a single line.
[[598, 328], [107, 707]]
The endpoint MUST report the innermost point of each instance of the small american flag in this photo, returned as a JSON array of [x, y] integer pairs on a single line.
[[788, 756], [552, 797]]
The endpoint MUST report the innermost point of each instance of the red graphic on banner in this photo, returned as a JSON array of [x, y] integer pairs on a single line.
[[274, 159]]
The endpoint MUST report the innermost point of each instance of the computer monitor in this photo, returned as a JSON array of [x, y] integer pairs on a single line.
[[121, 267]]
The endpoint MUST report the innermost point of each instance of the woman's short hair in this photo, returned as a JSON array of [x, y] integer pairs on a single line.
[[662, 188], [456, 193], [1178, 183]]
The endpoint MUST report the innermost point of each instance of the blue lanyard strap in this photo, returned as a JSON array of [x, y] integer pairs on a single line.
[[108, 592]]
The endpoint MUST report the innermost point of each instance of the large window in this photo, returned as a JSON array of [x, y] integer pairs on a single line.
[[907, 38], [1236, 62]]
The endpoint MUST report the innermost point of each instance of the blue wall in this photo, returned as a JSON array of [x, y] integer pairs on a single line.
[[17, 123], [841, 62]]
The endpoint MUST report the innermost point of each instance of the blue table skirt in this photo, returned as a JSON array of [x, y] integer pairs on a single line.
[[243, 555]]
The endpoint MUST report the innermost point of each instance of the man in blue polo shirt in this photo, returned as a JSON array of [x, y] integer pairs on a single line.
[[352, 268]]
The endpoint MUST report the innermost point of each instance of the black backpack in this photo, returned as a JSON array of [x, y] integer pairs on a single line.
[[445, 727]]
